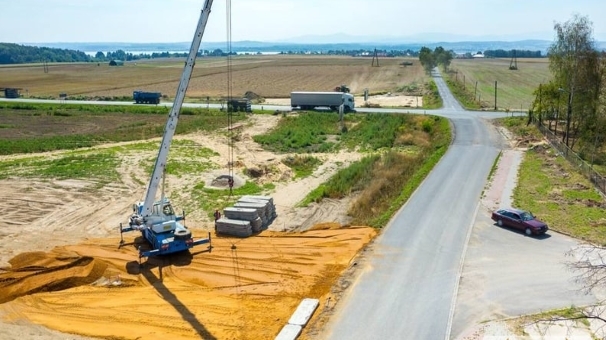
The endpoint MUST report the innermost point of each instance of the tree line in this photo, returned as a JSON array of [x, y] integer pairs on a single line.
[[512, 53], [576, 95], [21, 54], [573, 106], [439, 56]]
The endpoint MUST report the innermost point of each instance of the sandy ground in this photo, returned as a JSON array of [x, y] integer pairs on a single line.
[[63, 276], [387, 100]]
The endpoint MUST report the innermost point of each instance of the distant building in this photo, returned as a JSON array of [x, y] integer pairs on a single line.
[[478, 55], [116, 63]]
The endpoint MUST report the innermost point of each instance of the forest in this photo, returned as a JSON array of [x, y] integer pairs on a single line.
[[22, 54]]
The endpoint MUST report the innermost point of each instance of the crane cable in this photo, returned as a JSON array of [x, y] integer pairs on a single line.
[[230, 132]]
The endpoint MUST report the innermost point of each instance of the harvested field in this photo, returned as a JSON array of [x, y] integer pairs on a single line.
[[267, 76]]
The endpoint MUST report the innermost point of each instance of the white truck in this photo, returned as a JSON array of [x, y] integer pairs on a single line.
[[313, 100]]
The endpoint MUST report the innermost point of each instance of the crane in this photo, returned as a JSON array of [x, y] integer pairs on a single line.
[[156, 220]]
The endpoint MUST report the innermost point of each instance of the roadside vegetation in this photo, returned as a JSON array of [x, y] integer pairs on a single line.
[[569, 109], [555, 191], [431, 97], [463, 95], [312, 132], [385, 179]]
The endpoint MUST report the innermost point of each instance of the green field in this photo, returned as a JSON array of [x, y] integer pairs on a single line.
[[514, 88]]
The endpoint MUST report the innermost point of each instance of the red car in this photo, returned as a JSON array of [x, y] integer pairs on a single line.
[[520, 219]]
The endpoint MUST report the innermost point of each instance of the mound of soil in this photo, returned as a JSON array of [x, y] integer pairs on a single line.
[[223, 294], [43, 272], [253, 96]]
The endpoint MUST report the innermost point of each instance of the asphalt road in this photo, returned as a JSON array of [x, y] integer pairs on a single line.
[[407, 289]]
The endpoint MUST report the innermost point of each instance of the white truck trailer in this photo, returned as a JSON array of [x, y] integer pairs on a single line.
[[313, 100]]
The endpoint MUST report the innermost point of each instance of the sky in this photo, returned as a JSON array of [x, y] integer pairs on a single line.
[[144, 21]]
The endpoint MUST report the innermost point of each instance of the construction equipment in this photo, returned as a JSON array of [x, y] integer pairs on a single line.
[[156, 220], [239, 104], [141, 97], [10, 92], [313, 100], [343, 88]]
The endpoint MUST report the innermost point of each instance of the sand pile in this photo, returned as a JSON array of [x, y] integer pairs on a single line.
[[244, 289], [43, 272]]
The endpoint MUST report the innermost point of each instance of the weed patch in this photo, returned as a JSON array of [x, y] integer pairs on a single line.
[[303, 166], [384, 181]]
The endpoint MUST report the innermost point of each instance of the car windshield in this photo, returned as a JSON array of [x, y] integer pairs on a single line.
[[526, 216]]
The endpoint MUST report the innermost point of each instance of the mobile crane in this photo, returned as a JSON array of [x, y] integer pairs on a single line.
[[156, 220]]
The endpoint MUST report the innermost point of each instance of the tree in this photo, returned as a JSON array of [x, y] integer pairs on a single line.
[[100, 56], [569, 63], [427, 59], [443, 57]]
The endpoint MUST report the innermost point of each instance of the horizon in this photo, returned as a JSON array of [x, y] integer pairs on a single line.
[[153, 21]]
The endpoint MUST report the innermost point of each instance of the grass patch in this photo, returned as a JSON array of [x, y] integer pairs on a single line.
[[189, 157], [463, 95], [383, 181], [553, 189], [303, 166], [306, 132], [495, 165], [209, 199], [431, 97], [520, 127], [49, 127], [320, 132], [357, 175], [571, 313], [99, 166]]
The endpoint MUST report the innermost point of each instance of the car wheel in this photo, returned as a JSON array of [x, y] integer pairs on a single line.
[[500, 223], [528, 232]]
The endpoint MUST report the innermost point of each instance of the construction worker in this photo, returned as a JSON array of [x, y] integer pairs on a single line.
[[217, 216]]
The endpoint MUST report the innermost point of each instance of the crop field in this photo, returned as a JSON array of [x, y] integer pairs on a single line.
[[515, 88], [267, 76]]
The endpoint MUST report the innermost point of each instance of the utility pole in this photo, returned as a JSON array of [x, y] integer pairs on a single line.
[[495, 95], [375, 59]]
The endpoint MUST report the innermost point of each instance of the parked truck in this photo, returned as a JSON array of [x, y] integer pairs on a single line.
[[142, 97], [313, 100]]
